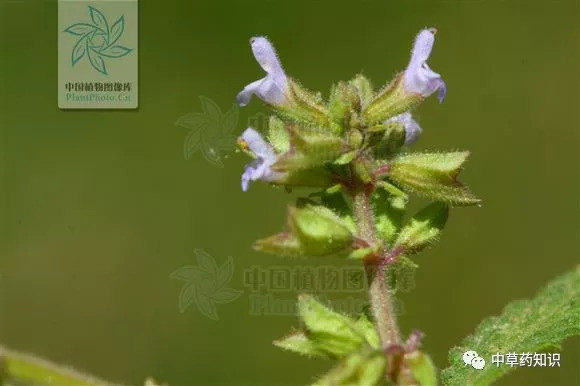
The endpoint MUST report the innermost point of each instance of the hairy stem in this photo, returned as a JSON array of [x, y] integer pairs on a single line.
[[379, 292]]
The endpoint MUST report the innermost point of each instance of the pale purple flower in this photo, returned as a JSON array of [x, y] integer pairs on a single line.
[[272, 88], [412, 128], [258, 169], [419, 78]]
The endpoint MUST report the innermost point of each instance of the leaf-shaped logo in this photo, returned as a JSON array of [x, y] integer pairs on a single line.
[[205, 284], [98, 41], [211, 131]]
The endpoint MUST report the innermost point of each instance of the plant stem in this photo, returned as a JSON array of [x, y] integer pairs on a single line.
[[379, 292]]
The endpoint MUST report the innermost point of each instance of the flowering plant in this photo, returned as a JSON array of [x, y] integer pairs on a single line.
[[353, 149]]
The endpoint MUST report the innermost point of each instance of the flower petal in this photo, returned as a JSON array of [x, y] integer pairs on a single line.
[[419, 78], [258, 169], [412, 128], [265, 54], [244, 96], [256, 144], [272, 88]]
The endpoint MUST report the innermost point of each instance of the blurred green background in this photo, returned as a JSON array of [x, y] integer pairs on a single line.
[[97, 208]]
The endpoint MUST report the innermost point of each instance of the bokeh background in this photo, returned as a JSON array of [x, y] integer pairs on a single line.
[[97, 208]]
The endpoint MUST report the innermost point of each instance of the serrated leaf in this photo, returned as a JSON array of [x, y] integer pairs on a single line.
[[433, 175], [523, 326], [423, 228]]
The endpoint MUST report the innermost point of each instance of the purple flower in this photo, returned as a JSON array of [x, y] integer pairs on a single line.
[[419, 78], [412, 128], [258, 169], [272, 88]]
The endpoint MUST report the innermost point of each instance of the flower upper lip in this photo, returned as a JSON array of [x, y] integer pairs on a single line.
[[272, 88], [418, 77]]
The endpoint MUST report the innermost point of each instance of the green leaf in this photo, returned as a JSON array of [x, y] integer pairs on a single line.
[[299, 343], [335, 334], [319, 229], [423, 228], [313, 177], [328, 333], [433, 175], [422, 368], [366, 367], [26, 369], [278, 135], [388, 214], [524, 326], [345, 158]]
